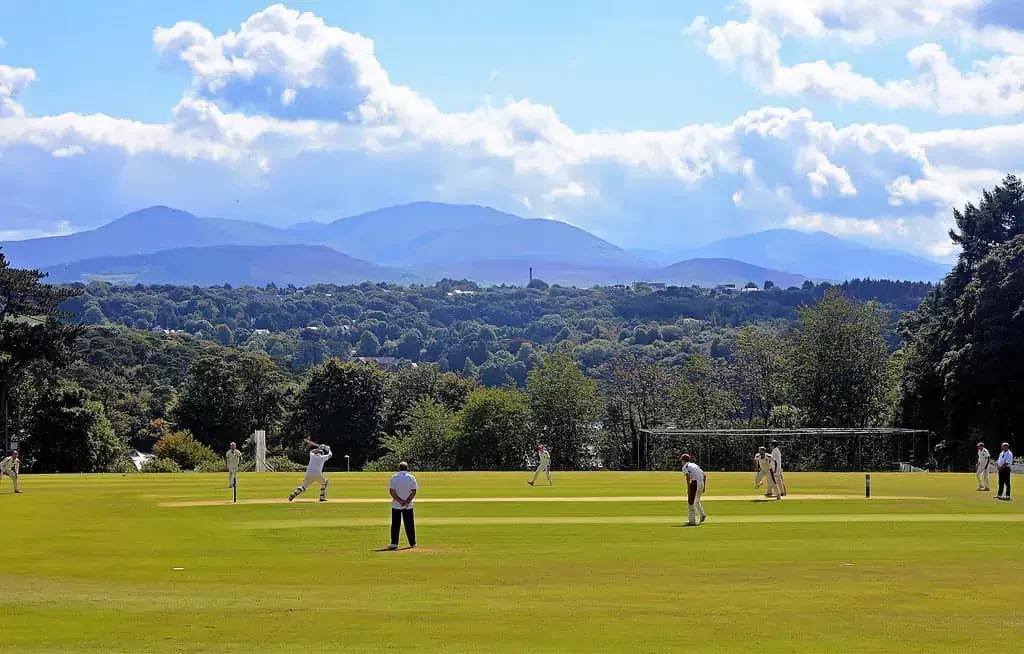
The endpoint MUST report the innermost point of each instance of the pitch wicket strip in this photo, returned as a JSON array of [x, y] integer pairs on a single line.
[[300, 523], [489, 500]]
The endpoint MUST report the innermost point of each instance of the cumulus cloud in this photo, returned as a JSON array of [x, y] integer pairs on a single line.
[[12, 82], [287, 64], [993, 86], [290, 119]]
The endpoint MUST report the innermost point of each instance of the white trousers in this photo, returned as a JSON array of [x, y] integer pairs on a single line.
[[232, 478], [760, 478], [777, 484], [547, 472], [696, 506], [309, 480], [982, 475], [14, 478]]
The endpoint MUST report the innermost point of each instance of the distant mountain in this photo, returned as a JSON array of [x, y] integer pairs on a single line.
[[712, 272], [231, 264], [425, 233], [145, 231], [820, 256]]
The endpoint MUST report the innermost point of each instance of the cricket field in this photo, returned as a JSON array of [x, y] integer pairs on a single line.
[[597, 563]]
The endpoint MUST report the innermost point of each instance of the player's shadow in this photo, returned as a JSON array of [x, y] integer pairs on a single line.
[[388, 549]]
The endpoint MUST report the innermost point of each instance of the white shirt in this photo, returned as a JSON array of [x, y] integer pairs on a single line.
[[233, 457], [403, 484], [983, 457], [694, 473], [545, 459], [777, 458], [317, 461], [8, 464], [762, 461], [1005, 459]]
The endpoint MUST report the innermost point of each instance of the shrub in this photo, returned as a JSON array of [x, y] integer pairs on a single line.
[[182, 448], [284, 464], [217, 465], [160, 465]]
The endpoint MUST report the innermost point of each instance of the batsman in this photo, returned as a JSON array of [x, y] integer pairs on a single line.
[[318, 456]]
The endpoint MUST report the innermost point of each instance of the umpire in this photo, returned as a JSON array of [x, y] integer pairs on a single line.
[[403, 491]]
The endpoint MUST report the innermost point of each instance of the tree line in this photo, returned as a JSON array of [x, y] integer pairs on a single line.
[[466, 377]]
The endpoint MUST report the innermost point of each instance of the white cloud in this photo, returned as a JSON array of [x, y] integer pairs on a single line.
[[12, 82], [298, 119], [993, 86], [570, 190], [70, 151]]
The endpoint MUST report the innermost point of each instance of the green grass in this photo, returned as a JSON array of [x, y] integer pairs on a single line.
[[89, 566]]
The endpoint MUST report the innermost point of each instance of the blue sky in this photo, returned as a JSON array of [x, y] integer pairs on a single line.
[[650, 123]]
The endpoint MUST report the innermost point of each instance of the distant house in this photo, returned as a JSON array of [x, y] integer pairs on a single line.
[[387, 363], [459, 291], [261, 332], [750, 289], [651, 286]]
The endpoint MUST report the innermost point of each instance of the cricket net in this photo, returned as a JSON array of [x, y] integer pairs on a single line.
[[821, 450]]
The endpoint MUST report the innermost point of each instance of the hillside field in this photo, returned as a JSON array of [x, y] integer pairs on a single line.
[[597, 563]]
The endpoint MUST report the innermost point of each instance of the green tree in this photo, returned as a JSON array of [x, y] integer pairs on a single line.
[[183, 449], [495, 427], [962, 343], [70, 433], [502, 369], [639, 396], [565, 406], [32, 328], [369, 345], [210, 403], [223, 335], [703, 398], [760, 362], [839, 353], [226, 398], [429, 443], [341, 405]]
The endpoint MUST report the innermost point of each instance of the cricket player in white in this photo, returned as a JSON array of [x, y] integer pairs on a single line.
[[776, 471], [9, 467], [696, 483], [318, 456], [233, 458], [544, 465], [762, 468], [984, 461]]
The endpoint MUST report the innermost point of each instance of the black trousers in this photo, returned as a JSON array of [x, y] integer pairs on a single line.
[[397, 517], [1004, 481]]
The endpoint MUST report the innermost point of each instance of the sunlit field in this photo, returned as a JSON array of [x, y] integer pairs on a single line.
[[597, 563]]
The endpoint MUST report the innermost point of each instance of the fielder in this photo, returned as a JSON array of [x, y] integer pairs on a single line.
[[762, 466], [696, 484], [318, 456], [776, 472], [984, 461], [544, 465], [233, 458], [9, 467]]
